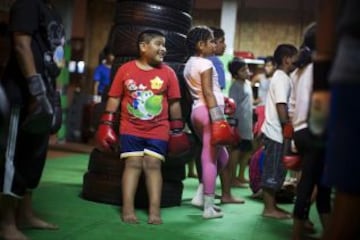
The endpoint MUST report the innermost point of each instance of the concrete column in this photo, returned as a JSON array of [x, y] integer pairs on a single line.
[[228, 22]]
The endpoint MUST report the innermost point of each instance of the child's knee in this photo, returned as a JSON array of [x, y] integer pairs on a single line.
[[133, 163], [152, 163]]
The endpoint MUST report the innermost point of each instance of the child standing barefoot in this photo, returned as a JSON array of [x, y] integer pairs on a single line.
[[148, 92], [207, 112]]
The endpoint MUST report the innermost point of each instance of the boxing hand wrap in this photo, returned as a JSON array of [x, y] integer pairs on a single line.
[[57, 117], [288, 130], [320, 98], [291, 160], [221, 133], [230, 106], [40, 111], [105, 134], [178, 140]]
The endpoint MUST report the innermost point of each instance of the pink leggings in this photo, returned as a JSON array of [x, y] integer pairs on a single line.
[[212, 157]]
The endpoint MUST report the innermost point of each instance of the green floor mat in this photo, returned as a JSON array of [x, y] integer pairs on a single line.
[[58, 200]]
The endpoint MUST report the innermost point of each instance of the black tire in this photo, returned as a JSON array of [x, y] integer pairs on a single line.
[[173, 173], [186, 99], [102, 188], [141, 13], [107, 189], [182, 5], [105, 163], [118, 61], [175, 42]]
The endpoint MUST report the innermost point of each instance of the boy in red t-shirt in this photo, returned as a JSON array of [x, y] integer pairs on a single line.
[[147, 92]]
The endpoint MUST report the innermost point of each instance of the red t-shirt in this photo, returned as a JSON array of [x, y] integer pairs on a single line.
[[144, 99]]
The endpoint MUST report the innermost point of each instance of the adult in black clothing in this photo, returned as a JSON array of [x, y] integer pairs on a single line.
[[337, 74], [29, 80]]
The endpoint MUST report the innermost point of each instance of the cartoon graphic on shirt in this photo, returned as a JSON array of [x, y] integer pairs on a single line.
[[145, 104]]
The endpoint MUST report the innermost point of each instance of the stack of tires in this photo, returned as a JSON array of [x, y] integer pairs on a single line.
[[102, 181]]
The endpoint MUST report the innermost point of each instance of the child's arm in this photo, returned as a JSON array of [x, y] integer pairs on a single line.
[[175, 109], [207, 88], [112, 104]]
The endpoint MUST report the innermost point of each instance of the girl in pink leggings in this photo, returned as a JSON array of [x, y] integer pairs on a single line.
[[207, 112]]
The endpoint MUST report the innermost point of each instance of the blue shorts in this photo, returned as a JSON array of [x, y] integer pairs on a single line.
[[342, 164], [132, 146]]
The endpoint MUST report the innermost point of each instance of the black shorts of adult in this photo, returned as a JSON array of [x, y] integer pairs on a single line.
[[24, 157]]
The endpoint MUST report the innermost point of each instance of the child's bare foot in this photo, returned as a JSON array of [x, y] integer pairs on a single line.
[[12, 233], [276, 214], [35, 222], [154, 219], [231, 199], [129, 218]]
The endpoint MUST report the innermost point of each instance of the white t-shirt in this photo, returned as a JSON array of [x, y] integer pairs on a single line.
[[301, 81], [279, 92], [194, 67]]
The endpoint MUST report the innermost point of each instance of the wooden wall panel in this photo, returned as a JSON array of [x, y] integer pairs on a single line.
[[261, 30], [258, 29], [206, 17]]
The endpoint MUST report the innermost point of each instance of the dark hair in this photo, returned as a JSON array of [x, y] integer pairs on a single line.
[[284, 50], [235, 64], [309, 37], [218, 32], [270, 59], [195, 35], [307, 47], [107, 50], [147, 35]]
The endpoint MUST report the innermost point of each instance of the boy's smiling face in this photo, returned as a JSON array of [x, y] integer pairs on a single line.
[[154, 51]]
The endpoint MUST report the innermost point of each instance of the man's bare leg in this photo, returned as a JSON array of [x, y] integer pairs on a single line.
[[345, 220], [130, 179], [243, 163], [270, 208], [152, 169], [9, 230], [27, 218]]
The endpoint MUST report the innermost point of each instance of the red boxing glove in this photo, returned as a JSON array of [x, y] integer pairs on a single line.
[[105, 135], [291, 160], [230, 106], [221, 133], [179, 141]]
